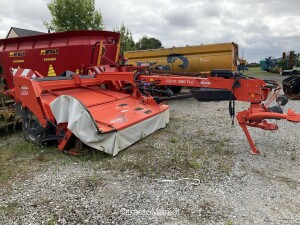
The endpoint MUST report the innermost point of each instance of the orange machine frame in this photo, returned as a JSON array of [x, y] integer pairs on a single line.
[[41, 91]]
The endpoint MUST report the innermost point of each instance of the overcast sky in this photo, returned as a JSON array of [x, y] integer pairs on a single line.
[[261, 28]]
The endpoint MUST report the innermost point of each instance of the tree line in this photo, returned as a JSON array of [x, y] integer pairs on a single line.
[[82, 15]]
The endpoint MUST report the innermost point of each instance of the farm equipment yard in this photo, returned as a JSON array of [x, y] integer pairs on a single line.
[[146, 183]]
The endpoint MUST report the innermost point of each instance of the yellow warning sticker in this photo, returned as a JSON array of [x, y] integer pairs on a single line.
[[17, 54], [49, 51], [51, 71]]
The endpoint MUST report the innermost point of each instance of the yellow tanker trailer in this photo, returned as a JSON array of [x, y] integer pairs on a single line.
[[199, 58]]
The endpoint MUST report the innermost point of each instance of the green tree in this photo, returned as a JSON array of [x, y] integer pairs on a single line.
[[127, 43], [148, 43], [74, 15]]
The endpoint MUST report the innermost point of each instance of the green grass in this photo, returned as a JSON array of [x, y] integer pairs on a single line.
[[10, 209], [198, 155], [19, 158], [279, 178], [173, 140], [53, 220], [293, 156], [256, 72]]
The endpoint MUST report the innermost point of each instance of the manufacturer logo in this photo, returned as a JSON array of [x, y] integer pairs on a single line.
[[205, 83], [174, 58], [204, 60], [49, 51], [24, 90], [145, 64], [17, 54], [120, 119]]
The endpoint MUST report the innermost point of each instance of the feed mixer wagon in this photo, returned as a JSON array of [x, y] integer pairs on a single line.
[[107, 107]]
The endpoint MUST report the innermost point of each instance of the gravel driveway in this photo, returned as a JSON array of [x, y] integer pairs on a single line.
[[144, 184]]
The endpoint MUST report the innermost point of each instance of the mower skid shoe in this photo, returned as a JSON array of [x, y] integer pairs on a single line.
[[292, 116]]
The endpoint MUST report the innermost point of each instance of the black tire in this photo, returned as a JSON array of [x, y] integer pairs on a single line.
[[276, 109], [282, 99], [32, 128], [175, 89]]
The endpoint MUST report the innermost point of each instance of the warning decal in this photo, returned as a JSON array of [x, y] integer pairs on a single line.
[[51, 71]]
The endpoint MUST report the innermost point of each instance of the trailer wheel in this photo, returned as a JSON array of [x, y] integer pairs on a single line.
[[282, 100], [175, 89], [32, 128]]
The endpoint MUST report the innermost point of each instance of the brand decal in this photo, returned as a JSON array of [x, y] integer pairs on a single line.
[[144, 64], [24, 90], [119, 119], [150, 64], [205, 83], [17, 54], [183, 61], [49, 51], [204, 60]]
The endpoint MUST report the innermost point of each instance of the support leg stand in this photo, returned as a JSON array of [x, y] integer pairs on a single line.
[[252, 145]]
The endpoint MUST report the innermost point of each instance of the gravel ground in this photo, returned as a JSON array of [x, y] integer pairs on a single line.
[[234, 187]]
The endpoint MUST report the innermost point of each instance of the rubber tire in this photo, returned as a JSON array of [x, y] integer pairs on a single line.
[[30, 122], [175, 89], [284, 100]]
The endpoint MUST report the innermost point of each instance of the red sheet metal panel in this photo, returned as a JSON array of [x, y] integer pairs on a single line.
[[52, 54]]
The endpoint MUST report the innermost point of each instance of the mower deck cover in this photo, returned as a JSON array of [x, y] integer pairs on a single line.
[[109, 121]]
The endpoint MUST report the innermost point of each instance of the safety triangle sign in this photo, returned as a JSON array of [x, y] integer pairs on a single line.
[[51, 71]]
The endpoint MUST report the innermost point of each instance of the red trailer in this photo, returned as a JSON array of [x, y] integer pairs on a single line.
[[52, 54]]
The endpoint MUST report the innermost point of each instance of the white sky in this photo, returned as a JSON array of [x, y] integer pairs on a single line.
[[261, 28]]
